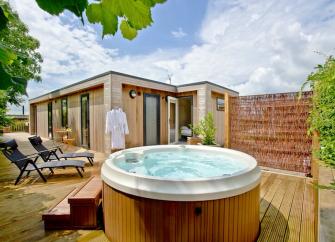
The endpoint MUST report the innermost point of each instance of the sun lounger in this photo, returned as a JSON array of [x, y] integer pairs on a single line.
[[52, 154], [27, 163]]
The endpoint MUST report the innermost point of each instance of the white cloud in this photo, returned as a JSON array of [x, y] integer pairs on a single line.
[[254, 46], [69, 49], [258, 46], [178, 34]]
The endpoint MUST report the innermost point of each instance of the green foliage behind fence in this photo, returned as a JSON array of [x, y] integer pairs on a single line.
[[322, 118]]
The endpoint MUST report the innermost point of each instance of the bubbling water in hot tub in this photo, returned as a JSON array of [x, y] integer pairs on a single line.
[[181, 163]]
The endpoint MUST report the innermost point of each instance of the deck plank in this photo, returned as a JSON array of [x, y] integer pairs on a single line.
[[269, 195], [307, 220], [292, 232], [268, 180], [272, 211], [277, 232]]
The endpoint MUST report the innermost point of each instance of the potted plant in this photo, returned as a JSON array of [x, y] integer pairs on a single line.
[[68, 130], [207, 130], [204, 132], [195, 139]]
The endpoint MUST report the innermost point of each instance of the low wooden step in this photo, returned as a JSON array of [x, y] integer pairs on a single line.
[[58, 217], [84, 204], [78, 210]]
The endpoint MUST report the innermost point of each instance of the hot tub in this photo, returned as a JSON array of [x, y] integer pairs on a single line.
[[181, 193]]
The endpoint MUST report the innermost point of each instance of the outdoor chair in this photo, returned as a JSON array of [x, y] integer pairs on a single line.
[[27, 163], [49, 154]]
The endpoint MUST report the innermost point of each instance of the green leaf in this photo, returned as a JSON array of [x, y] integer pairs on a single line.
[[127, 31], [94, 13], [3, 18], [152, 3], [113, 6], [137, 13], [7, 56], [55, 7], [102, 13]]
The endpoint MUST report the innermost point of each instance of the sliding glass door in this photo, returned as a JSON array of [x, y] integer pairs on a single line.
[[151, 119], [85, 120]]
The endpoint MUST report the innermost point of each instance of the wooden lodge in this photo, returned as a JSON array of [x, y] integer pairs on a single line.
[[82, 108]]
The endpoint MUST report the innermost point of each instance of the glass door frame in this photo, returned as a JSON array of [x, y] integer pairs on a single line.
[[87, 119], [158, 97], [176, 117], [50, 124]]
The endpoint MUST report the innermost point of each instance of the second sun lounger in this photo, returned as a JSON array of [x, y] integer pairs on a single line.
[[37, 143]]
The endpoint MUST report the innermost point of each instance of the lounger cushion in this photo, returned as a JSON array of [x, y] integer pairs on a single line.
[[73, 155], [57, 164]]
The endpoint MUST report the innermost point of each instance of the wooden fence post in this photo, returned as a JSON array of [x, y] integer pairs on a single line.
[[226, 121], [315, 161], [315, 175]]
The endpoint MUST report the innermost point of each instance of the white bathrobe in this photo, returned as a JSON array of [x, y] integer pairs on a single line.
[[116, 125]]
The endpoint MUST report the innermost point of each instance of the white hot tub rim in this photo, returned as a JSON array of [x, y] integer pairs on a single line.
[[181, 189]]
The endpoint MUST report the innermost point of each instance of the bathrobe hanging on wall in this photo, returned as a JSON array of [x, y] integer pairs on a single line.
[[116, 125]]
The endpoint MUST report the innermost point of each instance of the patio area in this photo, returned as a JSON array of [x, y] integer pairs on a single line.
[[286, 207]]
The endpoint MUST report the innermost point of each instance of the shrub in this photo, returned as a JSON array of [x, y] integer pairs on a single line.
[[322, 117]]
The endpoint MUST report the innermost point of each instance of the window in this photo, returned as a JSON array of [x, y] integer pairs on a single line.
[[64, 112], [220, 104]]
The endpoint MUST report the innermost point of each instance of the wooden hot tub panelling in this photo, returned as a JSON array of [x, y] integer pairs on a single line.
[[131, 218]]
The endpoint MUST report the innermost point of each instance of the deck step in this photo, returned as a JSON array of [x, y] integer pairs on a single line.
[[78, 210], [58, 217], [84, 204]]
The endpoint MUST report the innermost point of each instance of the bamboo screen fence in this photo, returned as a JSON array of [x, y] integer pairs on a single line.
[[273, 129]]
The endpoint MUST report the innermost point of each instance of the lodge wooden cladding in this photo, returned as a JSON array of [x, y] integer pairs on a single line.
[[273, 129], [109, 90], [133, 107], [96, 109], [131, 218]]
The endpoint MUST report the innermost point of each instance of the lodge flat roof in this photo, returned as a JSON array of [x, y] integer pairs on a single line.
[[131, 76]]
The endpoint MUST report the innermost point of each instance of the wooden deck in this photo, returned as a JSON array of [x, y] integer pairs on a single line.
[[286, 205], [22, 206], [286, 208]]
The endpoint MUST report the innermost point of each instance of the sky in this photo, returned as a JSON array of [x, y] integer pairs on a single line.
[[251, 46]]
